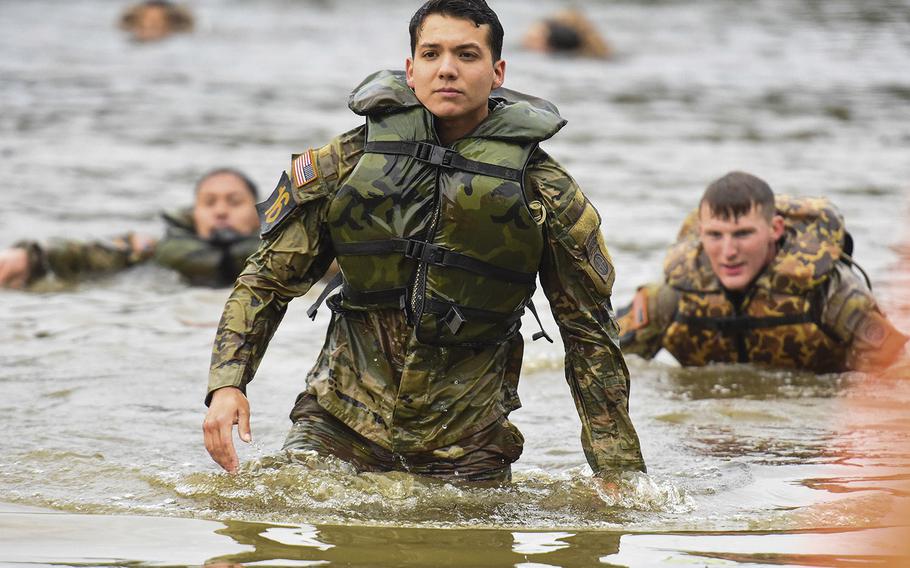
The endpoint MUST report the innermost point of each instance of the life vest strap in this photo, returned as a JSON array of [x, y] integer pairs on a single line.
[[330, 287], [442, 157], [542, 332], [436, 255], [742, 323], [455, 316]]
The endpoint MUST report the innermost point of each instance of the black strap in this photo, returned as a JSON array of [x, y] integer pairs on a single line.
[[396, 295], [542, 332], [443, 157], [455, 316], [742, 323], [436, 255], [334, 283], [852, 263]]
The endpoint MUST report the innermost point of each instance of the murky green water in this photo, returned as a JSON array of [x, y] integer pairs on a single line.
[[102, 460]]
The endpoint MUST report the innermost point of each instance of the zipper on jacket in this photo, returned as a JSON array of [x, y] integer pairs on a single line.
[[418, 290]]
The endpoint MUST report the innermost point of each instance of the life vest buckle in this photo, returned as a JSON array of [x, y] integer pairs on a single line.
[[454, 320], [435, 155], [424, 252], [423, 151]]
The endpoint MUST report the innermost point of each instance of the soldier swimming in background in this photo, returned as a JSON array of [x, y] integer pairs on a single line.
[[155, 19], [567, 32], [442, 211], [206, 244], [758, 279]]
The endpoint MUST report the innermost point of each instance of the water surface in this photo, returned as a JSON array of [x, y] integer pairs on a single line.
[[102, 384]]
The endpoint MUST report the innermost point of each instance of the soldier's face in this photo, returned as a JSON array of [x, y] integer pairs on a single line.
[[151, 24], [739, 249], [452, 71], [224, 202]]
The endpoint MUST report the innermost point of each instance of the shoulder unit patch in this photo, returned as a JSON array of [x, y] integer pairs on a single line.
[[274, 210]]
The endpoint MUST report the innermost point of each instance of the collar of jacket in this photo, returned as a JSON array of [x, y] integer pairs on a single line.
[[513, 116]]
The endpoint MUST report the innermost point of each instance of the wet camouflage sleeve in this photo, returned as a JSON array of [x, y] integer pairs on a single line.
[[287, 263], [577, 277], [642, 323], [853, 315], [71, 260]]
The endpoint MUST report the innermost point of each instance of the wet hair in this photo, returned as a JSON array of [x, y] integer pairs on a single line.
[[476, 11], [735, 194], [250, 186], [562, 37]]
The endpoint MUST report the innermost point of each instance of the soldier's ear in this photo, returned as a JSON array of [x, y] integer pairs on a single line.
[[409, 71], [777, 227], [499, 73]]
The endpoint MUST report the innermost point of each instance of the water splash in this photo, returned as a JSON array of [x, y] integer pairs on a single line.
[[303, 487]]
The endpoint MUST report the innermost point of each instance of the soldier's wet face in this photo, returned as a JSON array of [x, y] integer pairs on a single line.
[[223, 201], [151, 23], [739, 248], [452, 72]]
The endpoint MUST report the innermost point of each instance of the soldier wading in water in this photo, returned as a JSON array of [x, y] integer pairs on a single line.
[[441, 212], [754, 279]]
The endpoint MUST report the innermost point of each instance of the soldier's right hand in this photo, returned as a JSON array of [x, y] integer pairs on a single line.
[[228, 406], [14, 271]]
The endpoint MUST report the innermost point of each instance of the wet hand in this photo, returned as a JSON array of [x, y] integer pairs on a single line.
[[14, 271], [229, 406], [141, 246]]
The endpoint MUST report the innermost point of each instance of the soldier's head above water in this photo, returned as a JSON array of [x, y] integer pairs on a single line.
[[739, 228], [456, 61], [155, 20], [225, 201]]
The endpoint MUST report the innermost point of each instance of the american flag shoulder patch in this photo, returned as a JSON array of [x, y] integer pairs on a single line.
[[304, 169]]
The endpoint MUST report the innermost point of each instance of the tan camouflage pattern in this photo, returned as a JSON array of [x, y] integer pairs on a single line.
[[181, 250], [405, 396], [805, 269], [645, 338], [483, 217]]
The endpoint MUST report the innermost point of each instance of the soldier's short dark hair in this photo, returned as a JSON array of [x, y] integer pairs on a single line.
[[476, 11], [250, 186], [735, 194]]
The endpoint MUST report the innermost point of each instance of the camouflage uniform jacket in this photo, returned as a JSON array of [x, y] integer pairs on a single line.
[[202, 262], [842, 327], [377, 378]]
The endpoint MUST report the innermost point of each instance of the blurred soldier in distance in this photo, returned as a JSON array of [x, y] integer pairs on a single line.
[[567, 32], [207, 244], [155, 19]]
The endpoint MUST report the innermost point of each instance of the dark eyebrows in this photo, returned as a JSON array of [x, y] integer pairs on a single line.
[[460, 47]]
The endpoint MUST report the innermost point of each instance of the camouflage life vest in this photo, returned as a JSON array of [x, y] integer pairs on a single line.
[[445, 233], [777, 321], [215, 262]]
